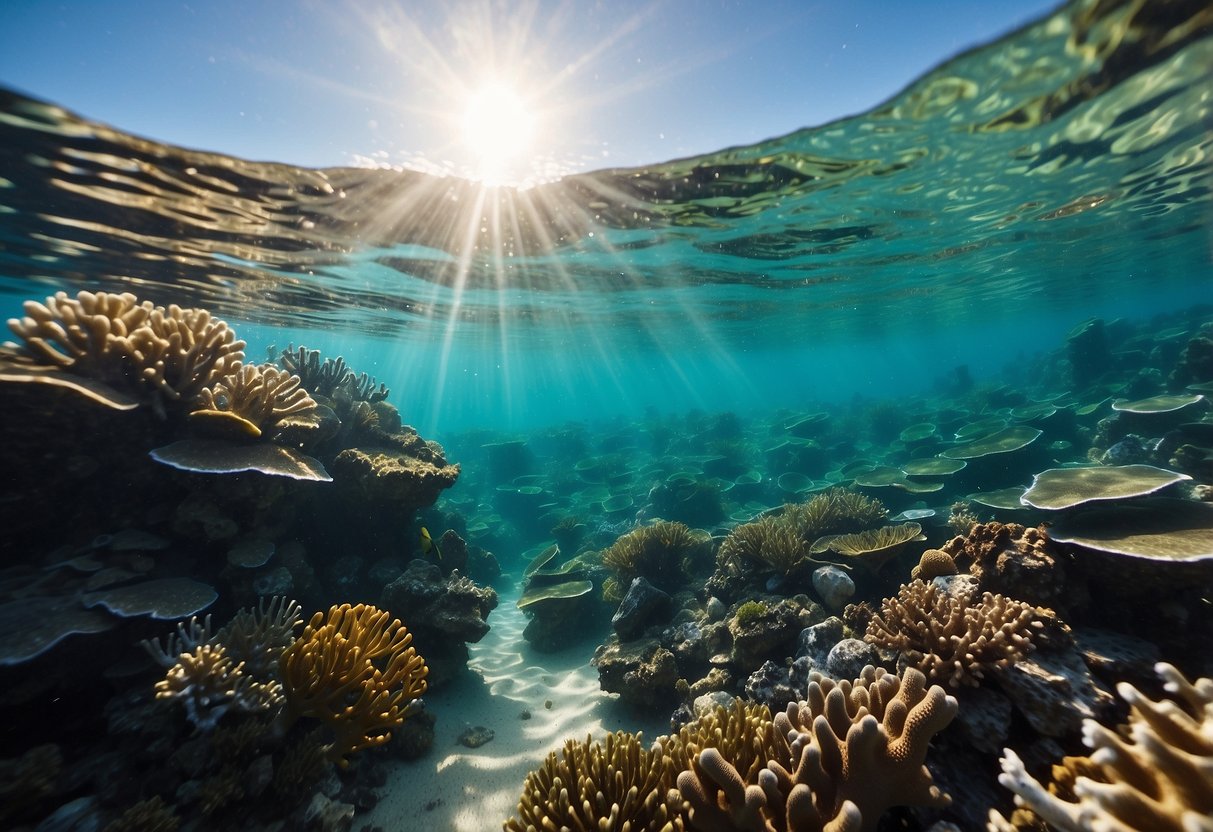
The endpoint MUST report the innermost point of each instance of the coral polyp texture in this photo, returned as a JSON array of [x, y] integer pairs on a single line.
[[616, 784], [767, 543], [252, 400], [156, 354], [852, 750], [950, 641], [834, 762], [1155, 773], [354, 670]]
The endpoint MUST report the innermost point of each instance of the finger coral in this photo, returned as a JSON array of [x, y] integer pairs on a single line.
[[948, 640], [1155, 773], [354, 670], [858, 749], [617, 784], [251, 400], [160, 355], [835, 761]]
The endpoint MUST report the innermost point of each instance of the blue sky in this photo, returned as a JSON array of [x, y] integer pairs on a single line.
[[615, 83]]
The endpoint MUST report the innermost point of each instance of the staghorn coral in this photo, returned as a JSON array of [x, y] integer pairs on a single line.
[[354, 670], [88, 334], [208, 684], [615, 785], [769, 542], [1156, 773], [180, 352], [948, 640], [251, 400], [660, 552]]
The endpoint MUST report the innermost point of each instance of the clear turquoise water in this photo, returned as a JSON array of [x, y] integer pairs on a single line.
[[1009, 194]]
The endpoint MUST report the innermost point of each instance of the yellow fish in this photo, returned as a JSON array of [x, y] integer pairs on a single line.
[[428, 544]]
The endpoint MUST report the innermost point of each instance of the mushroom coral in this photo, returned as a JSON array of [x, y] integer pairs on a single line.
[[1155, 773], [354, 670]]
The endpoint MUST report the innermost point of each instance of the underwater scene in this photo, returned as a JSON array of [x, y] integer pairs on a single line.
[[859, 479]]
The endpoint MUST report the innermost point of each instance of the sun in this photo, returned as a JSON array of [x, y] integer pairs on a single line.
[[499, 128]]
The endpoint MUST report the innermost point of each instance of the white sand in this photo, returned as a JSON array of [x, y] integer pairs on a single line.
[[476, 789]]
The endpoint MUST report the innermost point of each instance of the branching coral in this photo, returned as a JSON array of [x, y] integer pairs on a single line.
[[619, 784], [859, 748], [834, 511], [722, 756], [659, 552], [251, 400], [354, 670], [949, 641], [834, 762], [769, 542], [331, 378], [1157, 773], [164, 355], [208, 684], [258, 637]]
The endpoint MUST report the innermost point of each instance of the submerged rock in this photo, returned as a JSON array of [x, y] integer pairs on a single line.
[[642, 672], [834, 586], [644, 604]]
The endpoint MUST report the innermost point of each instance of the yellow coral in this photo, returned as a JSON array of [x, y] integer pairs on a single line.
[[591, 782], [355, 670]]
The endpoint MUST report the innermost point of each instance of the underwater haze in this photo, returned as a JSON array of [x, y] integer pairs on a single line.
[[857, 479]]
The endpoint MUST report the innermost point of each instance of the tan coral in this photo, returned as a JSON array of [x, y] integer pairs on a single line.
[[616, 784], [250, 401], [860, 748], [854, 750], [1156, 773], [180, 352], [933, 563], [948, 640], [208, 684], [355, 670], [167, 355], [769, 542]]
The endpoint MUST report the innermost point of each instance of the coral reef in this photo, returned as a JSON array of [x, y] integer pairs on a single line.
[[770, 542], [663, 552], [156, 354], [618, 782], [947, 639], [442, 614], [1015, 560], [250, 401], [354, 670], [1156, 773]]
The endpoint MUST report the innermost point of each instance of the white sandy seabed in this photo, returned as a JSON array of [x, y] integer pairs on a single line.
[[475, 790]]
